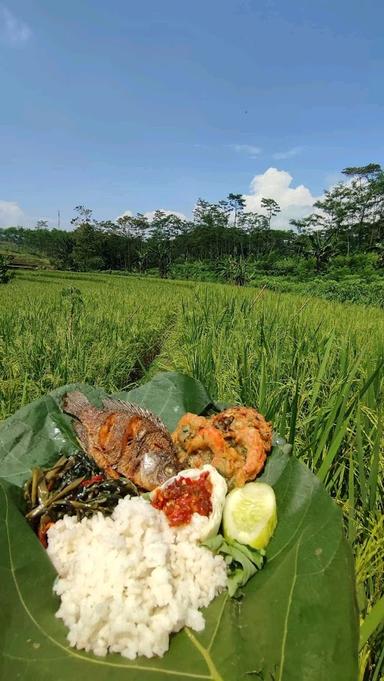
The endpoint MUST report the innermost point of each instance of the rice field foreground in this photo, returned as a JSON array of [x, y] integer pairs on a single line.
[[313, 367]]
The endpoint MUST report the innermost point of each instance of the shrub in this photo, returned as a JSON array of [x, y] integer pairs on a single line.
[[5, 273]]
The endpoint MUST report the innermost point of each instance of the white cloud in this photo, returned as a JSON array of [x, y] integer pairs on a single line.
[[151, 213], [279, 155], [126, 213], [13, 31], [332, 179], [295, 202], [11, 214], [247, 149]]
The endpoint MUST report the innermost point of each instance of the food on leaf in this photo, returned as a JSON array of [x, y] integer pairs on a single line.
[[236, 442], [291, 600], [124, 440], [250, 515], [191, 493]]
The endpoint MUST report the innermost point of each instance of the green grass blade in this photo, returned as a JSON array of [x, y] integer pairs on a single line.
[[321, 373], [360, 460], [373, 621], [351, 500], [374, 471], [294, 411], [333, 450]]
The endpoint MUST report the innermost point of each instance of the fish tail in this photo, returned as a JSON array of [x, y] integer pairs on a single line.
[[74, 403]]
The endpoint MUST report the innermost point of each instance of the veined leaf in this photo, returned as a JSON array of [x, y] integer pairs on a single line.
[[297, 620]]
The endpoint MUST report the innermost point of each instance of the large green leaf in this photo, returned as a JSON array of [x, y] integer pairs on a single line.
[[297, 620]]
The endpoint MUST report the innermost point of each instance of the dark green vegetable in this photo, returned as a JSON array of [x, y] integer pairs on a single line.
[[242, 561], [73, 486], [297, 620]]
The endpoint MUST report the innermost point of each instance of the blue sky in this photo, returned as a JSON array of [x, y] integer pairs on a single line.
[[153, 103]]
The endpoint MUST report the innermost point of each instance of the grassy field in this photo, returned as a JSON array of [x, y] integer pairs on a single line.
[[314, 367]]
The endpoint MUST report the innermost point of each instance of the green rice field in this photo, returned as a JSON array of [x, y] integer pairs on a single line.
[[314, 367]]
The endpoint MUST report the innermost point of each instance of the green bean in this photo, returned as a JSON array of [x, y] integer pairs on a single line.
[[36, 474]]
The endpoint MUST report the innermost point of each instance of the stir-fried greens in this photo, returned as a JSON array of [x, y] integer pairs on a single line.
[[75, 485]]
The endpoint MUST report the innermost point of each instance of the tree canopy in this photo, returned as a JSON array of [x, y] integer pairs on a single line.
[[347, 220]]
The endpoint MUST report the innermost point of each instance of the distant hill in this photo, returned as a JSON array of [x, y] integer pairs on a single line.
[[23, 259]]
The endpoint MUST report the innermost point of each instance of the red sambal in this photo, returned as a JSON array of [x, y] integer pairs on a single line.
[[183, 497]]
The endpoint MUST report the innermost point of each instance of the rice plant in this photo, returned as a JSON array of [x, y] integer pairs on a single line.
[[315, 369]]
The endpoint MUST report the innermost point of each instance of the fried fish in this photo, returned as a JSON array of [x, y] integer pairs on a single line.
[[124, 440]]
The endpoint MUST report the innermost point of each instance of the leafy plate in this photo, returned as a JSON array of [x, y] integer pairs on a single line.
[[297, 620]]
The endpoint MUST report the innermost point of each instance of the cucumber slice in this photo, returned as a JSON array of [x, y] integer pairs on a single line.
[[250, 514]]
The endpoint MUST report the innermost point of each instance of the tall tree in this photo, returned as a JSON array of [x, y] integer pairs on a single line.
[[164, 228], [254, 226], [237, 205], [252, 222], [213, 217], [41, 224], [364, 185], [368, 173], [211, 214], [271, 207], [86, 252], [125, 226], [351, 210], [60, 248], [307, 224], [84, 215]]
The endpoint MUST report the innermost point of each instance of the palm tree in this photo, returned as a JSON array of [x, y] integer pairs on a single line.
[[321, 247]]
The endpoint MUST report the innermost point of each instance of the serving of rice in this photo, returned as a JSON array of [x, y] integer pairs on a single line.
[[128, 581]]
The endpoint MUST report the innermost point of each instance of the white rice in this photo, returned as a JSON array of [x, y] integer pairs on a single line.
[[128, 581]]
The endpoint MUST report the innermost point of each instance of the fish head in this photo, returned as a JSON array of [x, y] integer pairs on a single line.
[[156, 467]]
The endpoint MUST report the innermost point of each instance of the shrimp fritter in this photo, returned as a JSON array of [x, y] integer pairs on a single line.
[[236, 441]]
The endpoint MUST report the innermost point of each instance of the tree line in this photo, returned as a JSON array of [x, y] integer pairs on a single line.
[[348, 220]]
